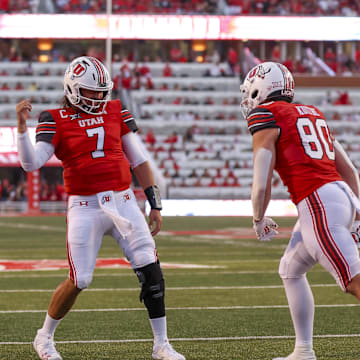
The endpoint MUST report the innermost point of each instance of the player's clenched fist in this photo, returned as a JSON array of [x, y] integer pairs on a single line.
[[23, 109]]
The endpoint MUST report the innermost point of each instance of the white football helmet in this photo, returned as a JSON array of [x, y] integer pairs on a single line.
[[87, 72], [266, 81]]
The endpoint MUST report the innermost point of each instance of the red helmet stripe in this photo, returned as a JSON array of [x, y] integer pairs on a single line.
[[99, 69]]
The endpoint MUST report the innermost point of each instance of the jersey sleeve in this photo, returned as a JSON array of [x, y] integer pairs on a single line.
[[46, 128], [261, 118], [129, 121]]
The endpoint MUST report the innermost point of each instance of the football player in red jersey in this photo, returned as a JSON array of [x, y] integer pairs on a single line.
[[294, 139], [95, 139]]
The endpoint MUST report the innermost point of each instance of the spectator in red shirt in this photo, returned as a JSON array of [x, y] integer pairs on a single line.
[[330, 59], [289, 63], [357, 55], [172, 139], [176, 55], [144, 68], [19, 86], [125, 74], [177, 100], [167, 70], [276, 53], [4, 5], [201, 148], [5, 86], [150, 138], [213, 183], [232, 58], [343, 99]]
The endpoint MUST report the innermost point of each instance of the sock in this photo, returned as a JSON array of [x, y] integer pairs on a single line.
[[303, 348], [49, 325], [302, 308], [158, 326]]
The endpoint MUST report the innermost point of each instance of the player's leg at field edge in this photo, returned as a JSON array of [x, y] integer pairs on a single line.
[[354, 286]]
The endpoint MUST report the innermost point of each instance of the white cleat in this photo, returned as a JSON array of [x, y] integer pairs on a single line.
[[299, 355], [166, 352], [45, 347]]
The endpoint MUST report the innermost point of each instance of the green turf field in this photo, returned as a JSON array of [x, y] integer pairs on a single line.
[[234, 309]]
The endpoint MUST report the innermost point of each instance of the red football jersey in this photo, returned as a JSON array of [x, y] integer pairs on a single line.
[[89, 147], [305, 157]]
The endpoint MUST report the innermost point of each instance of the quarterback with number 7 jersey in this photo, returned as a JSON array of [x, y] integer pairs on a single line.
[[294, 139], [94, 137]]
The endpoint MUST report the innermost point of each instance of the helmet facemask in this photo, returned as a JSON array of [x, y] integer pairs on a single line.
[[249, 100], [93, 106]]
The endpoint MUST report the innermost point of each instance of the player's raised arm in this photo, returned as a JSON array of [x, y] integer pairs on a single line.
[[31, 158]]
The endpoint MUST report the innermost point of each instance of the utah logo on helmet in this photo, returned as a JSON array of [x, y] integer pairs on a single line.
[[79, 69]]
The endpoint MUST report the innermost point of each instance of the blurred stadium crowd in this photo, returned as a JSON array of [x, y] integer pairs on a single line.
[[186, 101], [226, 59], [223, 7], [189, 120], [17, 191]]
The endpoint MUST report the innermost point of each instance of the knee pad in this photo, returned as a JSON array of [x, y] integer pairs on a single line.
[[83, 282], [296, 260], [293, 267], [152, 289]]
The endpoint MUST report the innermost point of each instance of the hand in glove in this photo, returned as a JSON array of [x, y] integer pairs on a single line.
[[265, 229], [355, 232]]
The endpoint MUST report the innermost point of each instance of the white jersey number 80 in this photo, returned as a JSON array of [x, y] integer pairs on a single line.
[[315, 139]]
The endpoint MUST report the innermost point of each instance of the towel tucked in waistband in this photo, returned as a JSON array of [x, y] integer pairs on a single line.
[[107, 203]]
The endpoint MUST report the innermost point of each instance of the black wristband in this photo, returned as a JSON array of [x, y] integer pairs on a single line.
[[153, 195]]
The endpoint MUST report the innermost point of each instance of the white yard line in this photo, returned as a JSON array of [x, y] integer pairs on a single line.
[[131, 274], [185, 339], [236, 307], [34, 227], [182, 288]]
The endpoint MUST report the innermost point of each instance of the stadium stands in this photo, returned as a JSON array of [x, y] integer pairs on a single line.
[[190, 122]]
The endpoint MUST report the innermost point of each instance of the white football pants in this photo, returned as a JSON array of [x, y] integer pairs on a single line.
[[87, 223], [322, 235]]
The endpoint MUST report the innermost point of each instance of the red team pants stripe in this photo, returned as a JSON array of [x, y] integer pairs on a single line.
[[72, 269], [325, 239]]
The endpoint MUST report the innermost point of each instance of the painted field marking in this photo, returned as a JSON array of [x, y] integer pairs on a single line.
[[225, 233], [34, 227], [170, 288], [236, 307], [279, 337], [131, 274], [101, 263]]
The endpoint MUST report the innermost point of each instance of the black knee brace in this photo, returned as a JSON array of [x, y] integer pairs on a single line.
[[152, 289]]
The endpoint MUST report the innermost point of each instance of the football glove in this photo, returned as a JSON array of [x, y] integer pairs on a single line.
[[265, 229], [355, 232]]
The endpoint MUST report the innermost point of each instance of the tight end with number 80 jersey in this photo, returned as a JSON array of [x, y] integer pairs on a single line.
[[304, 151], [89, 147]]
